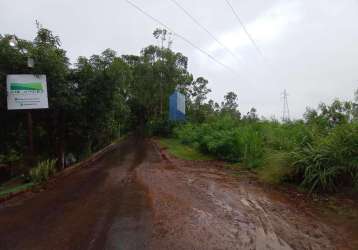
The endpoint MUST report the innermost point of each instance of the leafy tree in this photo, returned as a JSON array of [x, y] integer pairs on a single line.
[[230, 104], [251, 115], [329, 116], [157, 69], [198, 110]]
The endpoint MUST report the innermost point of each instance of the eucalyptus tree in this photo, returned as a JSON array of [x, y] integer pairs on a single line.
[[154, 66], [230, 104]]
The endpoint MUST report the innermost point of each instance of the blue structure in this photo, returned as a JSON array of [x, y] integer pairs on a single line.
[[177, 107]]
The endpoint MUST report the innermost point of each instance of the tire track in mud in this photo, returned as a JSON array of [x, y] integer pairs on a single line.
[[199, 205], [137, 197]]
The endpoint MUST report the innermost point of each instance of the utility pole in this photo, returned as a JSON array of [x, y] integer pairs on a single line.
[[286, 111], [163, 38], [13, 42], [163, 35]]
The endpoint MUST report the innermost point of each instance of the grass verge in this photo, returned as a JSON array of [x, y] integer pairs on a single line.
[[17, 185], [275, 169], [6, 191], [182, 151]]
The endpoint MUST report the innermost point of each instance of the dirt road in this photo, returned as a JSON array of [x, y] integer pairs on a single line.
[[133, 198]]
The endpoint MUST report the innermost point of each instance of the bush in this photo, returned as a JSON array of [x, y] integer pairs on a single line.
[[226, 138], [321, 160], [286, 136], [330, 161], [42, 171], [160, 127], [187, 134]]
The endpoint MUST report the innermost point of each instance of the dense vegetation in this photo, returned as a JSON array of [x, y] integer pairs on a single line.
[[319, 152], [98, 98], [90, 103]]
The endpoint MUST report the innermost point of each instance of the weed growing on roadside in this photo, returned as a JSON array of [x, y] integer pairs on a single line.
[[42, 171]]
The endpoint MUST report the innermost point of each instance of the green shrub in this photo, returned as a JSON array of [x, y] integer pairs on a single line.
[[226, 138], [286, 136], [295, 151], [160, 127], [330, 161], [187, 133], [42, 171]]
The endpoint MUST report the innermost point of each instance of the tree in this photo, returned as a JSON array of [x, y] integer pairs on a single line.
[[96, 98], [329, 116], [151, 70], [103, 86], [199, 90], [251, 115], [230, 104], [355, 106], [198, 110]]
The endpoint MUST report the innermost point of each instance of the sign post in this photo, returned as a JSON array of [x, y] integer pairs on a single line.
[[27, 92], [30, 135]]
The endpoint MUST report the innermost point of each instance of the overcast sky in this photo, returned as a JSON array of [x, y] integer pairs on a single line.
[[309, 47]]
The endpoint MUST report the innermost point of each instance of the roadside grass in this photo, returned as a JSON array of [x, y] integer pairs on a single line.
[[182, 151], [8, 190], [18, 184], [275, 169]]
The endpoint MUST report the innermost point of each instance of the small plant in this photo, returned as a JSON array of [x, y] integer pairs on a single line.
[[42, 171]]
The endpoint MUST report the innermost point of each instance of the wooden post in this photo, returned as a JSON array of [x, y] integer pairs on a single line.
[[30, 137]]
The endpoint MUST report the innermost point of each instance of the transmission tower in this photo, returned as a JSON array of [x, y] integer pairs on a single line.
[[286, 111], [170, 40]]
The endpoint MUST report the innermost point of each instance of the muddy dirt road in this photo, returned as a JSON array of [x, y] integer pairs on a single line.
[[133, 198]]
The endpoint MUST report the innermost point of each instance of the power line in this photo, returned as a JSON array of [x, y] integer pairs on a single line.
[[244, 28], [205, 29], [180, 36], [256, 46]]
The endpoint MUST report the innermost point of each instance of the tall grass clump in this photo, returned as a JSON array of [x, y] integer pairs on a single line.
[[42, 171], [331, 161], [276, 167], [285, 136]]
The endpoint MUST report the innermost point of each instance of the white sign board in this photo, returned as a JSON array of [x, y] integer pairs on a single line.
[[26, 92]]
